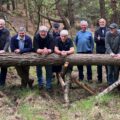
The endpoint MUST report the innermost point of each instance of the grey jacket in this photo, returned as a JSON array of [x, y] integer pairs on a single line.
[[4, 39], [112, 43]]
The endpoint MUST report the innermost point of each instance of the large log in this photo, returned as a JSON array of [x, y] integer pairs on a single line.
[[32, 59]]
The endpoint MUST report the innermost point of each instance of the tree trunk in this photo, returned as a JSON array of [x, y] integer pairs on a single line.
[[13, 4], [71, 12], [12, 59], [26, 12], [102, 8], [8, 5], [62, 16], [115, 15]]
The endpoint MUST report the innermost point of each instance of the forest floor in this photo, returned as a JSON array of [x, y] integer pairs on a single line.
[[26, 104]]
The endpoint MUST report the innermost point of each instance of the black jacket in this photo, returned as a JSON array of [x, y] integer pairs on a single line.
[[4, 39], [100, 44], [40, 43]]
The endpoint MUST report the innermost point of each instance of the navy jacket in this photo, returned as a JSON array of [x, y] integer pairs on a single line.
[[100, 44], [27, 44]]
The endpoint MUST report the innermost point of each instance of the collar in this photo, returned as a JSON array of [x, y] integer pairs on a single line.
[[18, 38]]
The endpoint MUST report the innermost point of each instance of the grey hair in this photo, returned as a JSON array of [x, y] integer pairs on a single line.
[[43, 28], [83, 22], [22, 29], [64, 32]]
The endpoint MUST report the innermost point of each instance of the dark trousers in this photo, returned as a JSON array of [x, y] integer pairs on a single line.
[[3, 74], [89, 69], [89, 72], [23, 72], [99, 69], [99, 72], [113, 74]]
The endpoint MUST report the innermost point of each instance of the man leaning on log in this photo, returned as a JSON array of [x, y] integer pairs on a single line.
[[4, 44], [63, 47], [112, 44], [43, 45], [22, 43]]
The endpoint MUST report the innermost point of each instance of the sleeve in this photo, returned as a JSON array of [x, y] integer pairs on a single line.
[[12, 46], [76, 39], [119, 44], [107, 44], [35, 43], [29, 48], [51, 44], [96, 37], [71, 43], [56, 42], [8, 38], [92, 42]]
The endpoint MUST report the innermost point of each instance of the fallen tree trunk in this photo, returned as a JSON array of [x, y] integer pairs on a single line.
[[32, 59]]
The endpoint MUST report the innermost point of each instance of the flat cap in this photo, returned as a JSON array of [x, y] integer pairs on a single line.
[[113, 26]]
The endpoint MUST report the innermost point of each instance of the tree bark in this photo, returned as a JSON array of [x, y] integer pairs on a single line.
[[13, 4], [71, 12], [32, 59], [26, 12], [115, 15], [62, 16]]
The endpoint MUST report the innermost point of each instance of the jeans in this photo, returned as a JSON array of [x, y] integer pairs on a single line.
[[48, 69], [113, 74], [3, 74]]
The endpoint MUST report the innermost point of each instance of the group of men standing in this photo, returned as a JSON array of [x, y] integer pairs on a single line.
[[44, 43]]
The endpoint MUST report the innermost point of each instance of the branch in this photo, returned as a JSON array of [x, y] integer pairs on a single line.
[[51, 19]]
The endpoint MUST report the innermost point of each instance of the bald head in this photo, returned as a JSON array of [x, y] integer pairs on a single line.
[[2, 24]]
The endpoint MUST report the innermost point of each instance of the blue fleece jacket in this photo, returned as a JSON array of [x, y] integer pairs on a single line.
[[84, 41]]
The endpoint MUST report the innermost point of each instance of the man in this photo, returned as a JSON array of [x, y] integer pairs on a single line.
[[64, 46], [84, 44], [112, 44], [43, 45], [99, 39], [22, 43], [4, 44], [56, 30], [55, 34]]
